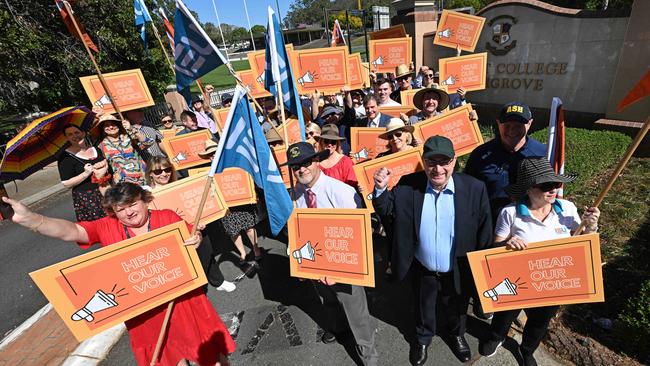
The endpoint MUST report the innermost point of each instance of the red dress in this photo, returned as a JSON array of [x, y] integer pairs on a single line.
[[342, 171], [195, 331]]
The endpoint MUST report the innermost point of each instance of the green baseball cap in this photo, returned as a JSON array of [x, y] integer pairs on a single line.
[[438, 145]]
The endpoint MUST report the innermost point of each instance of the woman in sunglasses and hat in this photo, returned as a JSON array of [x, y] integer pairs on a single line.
[[399, 136], [536, 215], [337, 165]]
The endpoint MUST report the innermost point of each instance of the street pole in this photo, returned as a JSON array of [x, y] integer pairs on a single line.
[[277, 6], [214, 5], [249, 26], [347, 21], [365, 34], [327, 28]]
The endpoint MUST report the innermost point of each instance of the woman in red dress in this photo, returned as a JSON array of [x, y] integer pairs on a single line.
[[195, 331], [337, 165]]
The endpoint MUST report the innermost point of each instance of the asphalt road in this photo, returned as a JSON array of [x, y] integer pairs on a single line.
[[23, 251]]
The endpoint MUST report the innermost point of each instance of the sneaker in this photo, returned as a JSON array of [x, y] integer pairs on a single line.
[[489, 348], [227, 286], [328, 337], [527, 359]]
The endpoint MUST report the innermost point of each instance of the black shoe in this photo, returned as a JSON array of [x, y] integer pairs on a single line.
[[527, 359], [249, 268], [419, 355], [328, 337], [460, 348], [489, 348]]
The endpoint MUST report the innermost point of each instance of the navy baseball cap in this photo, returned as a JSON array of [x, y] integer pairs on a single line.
[[302, 151], [515, 112]]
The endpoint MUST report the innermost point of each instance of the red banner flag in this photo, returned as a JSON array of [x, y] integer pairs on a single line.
[[67, 19], [640, 90], [337, 35], [169, 28]]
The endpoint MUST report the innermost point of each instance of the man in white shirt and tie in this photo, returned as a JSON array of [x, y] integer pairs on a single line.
[[314, 189]]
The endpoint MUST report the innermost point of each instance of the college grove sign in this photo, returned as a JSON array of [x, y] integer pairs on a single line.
[[525, 75]]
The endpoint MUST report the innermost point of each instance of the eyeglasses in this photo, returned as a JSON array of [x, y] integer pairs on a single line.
[[430, 76], [397, 134], [304, 164], [328, 142], [441, 162], [167, 121], [548, 186], [403, 78], [311, 133], [160, 171]]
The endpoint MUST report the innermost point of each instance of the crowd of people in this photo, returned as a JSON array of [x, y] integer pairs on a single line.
[[506, 196]]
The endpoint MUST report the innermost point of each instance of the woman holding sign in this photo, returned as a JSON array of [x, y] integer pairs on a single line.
[[337, 165], [195, 332], [120, 145], [537, 215]]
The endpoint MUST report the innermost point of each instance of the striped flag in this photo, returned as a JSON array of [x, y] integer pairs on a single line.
[[141, 18], [337, 35], [67, 19], [169, 28], [555, 147], [278, 68]]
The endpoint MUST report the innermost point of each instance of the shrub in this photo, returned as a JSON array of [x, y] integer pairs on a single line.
[[635, 319]]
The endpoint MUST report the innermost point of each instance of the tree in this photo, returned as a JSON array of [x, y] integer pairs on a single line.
[[355, 21], [239, 34], [258, 29]]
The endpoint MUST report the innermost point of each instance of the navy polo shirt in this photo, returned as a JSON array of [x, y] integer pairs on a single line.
[[493, 164]]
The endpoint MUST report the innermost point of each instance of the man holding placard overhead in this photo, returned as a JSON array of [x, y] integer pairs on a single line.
[[437, 217]]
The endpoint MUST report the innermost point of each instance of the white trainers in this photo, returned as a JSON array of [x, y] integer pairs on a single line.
[[227, 286]]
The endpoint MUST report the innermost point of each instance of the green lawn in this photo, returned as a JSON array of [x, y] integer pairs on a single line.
[[220, 77]]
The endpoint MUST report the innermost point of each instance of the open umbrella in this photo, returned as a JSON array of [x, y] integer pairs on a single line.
[[39, 143]]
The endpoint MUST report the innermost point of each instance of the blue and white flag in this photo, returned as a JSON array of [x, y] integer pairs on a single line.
[[194, 52], [278, 68], [244, 146], [141, 18]]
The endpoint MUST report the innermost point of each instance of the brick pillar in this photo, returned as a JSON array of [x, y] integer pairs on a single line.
[[419, 18]]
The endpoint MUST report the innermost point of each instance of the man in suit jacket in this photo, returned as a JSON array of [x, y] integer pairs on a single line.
[[373, 117], [437, 217]]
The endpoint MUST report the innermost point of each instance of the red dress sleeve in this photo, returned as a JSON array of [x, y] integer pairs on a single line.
[[98, 231]]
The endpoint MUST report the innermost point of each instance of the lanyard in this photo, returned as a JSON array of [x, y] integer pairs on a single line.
[[126, 230]]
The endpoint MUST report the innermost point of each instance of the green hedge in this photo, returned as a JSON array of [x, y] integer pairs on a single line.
[[635, 319]]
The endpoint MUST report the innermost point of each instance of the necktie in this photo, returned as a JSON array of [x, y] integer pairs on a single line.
[[311, 199]]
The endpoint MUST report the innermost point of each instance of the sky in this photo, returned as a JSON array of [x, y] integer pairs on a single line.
[[232, 11]]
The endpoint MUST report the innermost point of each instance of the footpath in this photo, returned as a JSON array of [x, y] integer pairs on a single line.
[[271, 317]]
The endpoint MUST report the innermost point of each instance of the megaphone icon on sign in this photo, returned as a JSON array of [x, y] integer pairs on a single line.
[[445, 33], [504, 288], [181, 156], [363, 154], [307, 78], [260, 79], [378, 61], [306, 252], [100, 301], [449, 80], [103, 101]]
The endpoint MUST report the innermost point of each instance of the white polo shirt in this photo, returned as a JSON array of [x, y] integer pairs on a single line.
[[515, 219]]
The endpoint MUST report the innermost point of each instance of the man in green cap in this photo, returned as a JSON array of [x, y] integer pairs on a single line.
[[437, 217]]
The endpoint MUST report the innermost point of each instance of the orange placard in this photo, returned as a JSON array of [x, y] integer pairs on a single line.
[[325, 69], [236, 185], [127, 87], [183, 150], [400, 163], [365, 143], [220, 116], [184, 197], [554, 272], [167, 133], [257, 61], [406, 97], [387, 54], [98, 290], [280, 155], [396, 31], [256, 89], [458, 29], [293, 130], [463, 72], [394, 111], [332, 243], [357, 81], [456, 126]]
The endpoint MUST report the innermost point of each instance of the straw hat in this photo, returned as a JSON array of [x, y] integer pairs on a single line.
[[534, 171], [210, 149], [395, 124], [273, 136], [443, 97], [402, 70], [329, 132]]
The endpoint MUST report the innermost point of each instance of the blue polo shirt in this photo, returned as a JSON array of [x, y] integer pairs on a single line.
[[493, 164]]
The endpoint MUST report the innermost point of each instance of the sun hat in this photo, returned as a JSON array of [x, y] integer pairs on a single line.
[[330, 109], [273, 136], [438, 145], [402, 70], [395, 124], [302, 151], [443, 98], [210, 149], [515, 112], [534, 171], [329, 132]]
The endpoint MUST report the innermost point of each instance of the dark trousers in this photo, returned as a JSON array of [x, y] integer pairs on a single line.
[[534, 331], [435, 291], [206, 252]]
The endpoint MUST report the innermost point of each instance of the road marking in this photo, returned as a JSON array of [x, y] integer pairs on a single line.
[[290, 330]]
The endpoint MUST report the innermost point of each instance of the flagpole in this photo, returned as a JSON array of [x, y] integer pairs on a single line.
[[619, 168], [214, 5], [169, 62], [250, 30], [92, 58]]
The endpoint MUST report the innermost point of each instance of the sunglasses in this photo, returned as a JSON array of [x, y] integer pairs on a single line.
[[166, 121], [311, 133], [441, 162], [397, 134], [402, 78], [328, 142], [548, 186], [304, 164], [160, 171], [430, 76]]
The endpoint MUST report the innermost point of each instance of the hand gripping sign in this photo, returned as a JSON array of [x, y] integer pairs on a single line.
[[456, 126], [332, 243], [554, 272], [97, 290], [458, 29]]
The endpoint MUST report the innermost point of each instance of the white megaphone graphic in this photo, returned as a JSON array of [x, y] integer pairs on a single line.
[[307, 78], [100, 301], [181, 156], [445, 33], [306, 252], [103, 101], [260, 79], [363, 154], [378, 61], [504, 288], [449, 80]]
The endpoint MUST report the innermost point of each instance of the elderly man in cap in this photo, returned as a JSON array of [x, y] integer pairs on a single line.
[[203, 118], [403, 75], [314, 189], [437, 217], [493, 161]]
